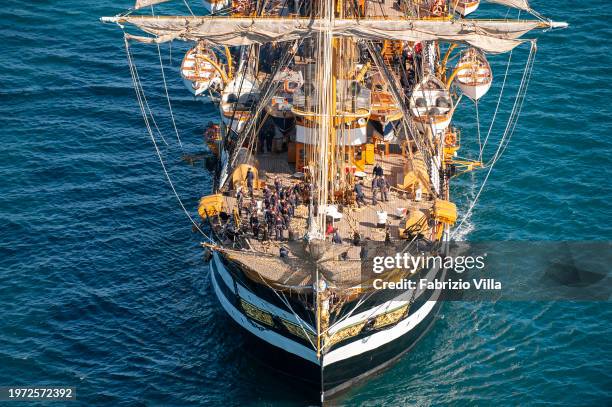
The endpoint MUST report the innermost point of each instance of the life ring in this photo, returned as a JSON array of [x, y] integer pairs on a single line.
[[290, 86], [212, 132], [437, 8], [450, 139]]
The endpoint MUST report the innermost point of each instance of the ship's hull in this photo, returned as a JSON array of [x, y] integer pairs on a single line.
[[347, 362]]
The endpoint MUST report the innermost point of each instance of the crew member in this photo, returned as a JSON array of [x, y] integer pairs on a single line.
[[279, 227], [337, 239], [378, 170], [383, 185], [239, 199], [255, 225], [374, 190], [360, 195], [283, 252], [250, 177]]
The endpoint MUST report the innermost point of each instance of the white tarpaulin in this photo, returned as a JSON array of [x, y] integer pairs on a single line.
[[520, 4], [492, 36], [145, 3]]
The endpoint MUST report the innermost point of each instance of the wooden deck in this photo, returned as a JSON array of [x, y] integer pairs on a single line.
[[362, 220], [262, 257]]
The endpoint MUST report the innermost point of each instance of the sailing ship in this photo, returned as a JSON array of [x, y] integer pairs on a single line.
[[334, 147]]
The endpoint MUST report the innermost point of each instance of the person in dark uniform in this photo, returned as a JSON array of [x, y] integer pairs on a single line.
[[378, 170], [269, 217], [383, 185], [239, 200], [291, 208], [250, 178], [285, 212], [360, 199], [254, 225], [283, 252], [337, 239], [374, 190], [293, 197], [280, 225]]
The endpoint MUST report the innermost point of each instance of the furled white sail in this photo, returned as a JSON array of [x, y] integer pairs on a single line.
[[492, 36], [145, 3], [520, 4]]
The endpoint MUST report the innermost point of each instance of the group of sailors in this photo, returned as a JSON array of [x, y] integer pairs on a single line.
[[379, 185], [279, 204], [271, 216]]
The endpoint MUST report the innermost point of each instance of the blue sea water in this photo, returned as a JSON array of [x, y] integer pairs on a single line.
[[102, 283]]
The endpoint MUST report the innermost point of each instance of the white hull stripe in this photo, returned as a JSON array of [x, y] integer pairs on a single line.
[[390, 305], [261, 332], [255, 300], [383, 337]]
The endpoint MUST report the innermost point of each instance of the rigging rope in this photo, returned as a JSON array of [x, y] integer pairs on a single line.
[[501, 92], [399, 101], [161, 64], [188, 8], [140, 97], [150, 112], [509, 131], [266, 92], [478, 129], [520, 108], [518, 105]]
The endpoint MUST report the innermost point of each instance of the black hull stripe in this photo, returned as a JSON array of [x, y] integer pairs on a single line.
[[340, 376], [268, 335]]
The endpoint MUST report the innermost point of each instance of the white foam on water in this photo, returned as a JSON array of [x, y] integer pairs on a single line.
[[463, 231], [466, 226]]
